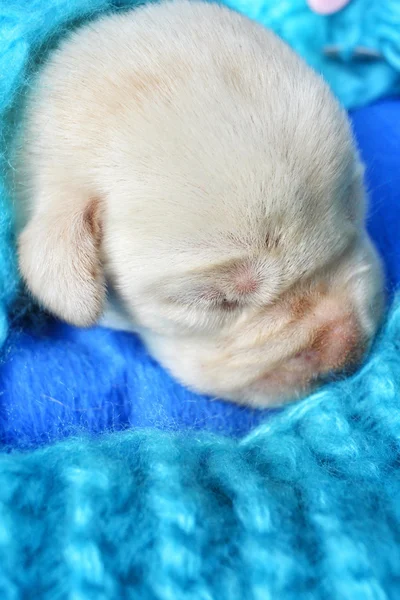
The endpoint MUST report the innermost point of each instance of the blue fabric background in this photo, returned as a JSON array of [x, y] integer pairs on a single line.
[[60, 378], [304, 507], [369, 24]]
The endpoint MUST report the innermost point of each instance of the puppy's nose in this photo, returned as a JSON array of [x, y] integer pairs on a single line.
[[335, 345]]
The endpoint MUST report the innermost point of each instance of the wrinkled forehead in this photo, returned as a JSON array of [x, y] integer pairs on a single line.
[[225, 263], [285, 221], [248, 203]]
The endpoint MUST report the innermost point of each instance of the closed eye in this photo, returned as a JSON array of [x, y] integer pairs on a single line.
[[229, 305], [211, 299], [214, 299]]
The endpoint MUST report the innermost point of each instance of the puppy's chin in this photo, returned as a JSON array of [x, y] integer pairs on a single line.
[[278, 387], [289, 381], [261, 397]]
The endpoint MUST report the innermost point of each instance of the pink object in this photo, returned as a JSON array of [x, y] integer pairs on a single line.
[[327, 7]]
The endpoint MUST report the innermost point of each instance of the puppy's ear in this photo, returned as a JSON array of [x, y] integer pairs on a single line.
[[59, 258]]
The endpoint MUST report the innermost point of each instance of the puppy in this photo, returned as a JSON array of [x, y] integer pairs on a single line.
[[185, 159]]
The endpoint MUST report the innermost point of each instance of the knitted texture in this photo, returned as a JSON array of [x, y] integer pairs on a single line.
[[307, 506], [371, 26], [304, 506], [58, 380]]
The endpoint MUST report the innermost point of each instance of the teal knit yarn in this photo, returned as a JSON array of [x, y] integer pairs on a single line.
[[305, 507], [369, 25]]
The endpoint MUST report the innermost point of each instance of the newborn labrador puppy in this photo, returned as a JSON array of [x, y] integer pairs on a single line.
[[185, 158]]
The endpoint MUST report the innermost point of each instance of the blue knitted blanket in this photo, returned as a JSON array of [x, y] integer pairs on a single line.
[[115, 482]]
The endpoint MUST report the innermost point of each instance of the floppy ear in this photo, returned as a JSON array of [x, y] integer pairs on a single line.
[[59, 258]]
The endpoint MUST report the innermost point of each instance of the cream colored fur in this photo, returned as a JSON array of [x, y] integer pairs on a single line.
[[186, 157]]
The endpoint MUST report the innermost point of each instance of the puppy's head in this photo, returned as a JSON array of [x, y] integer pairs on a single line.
[[230, 220], [257, 304], [263, 309]]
